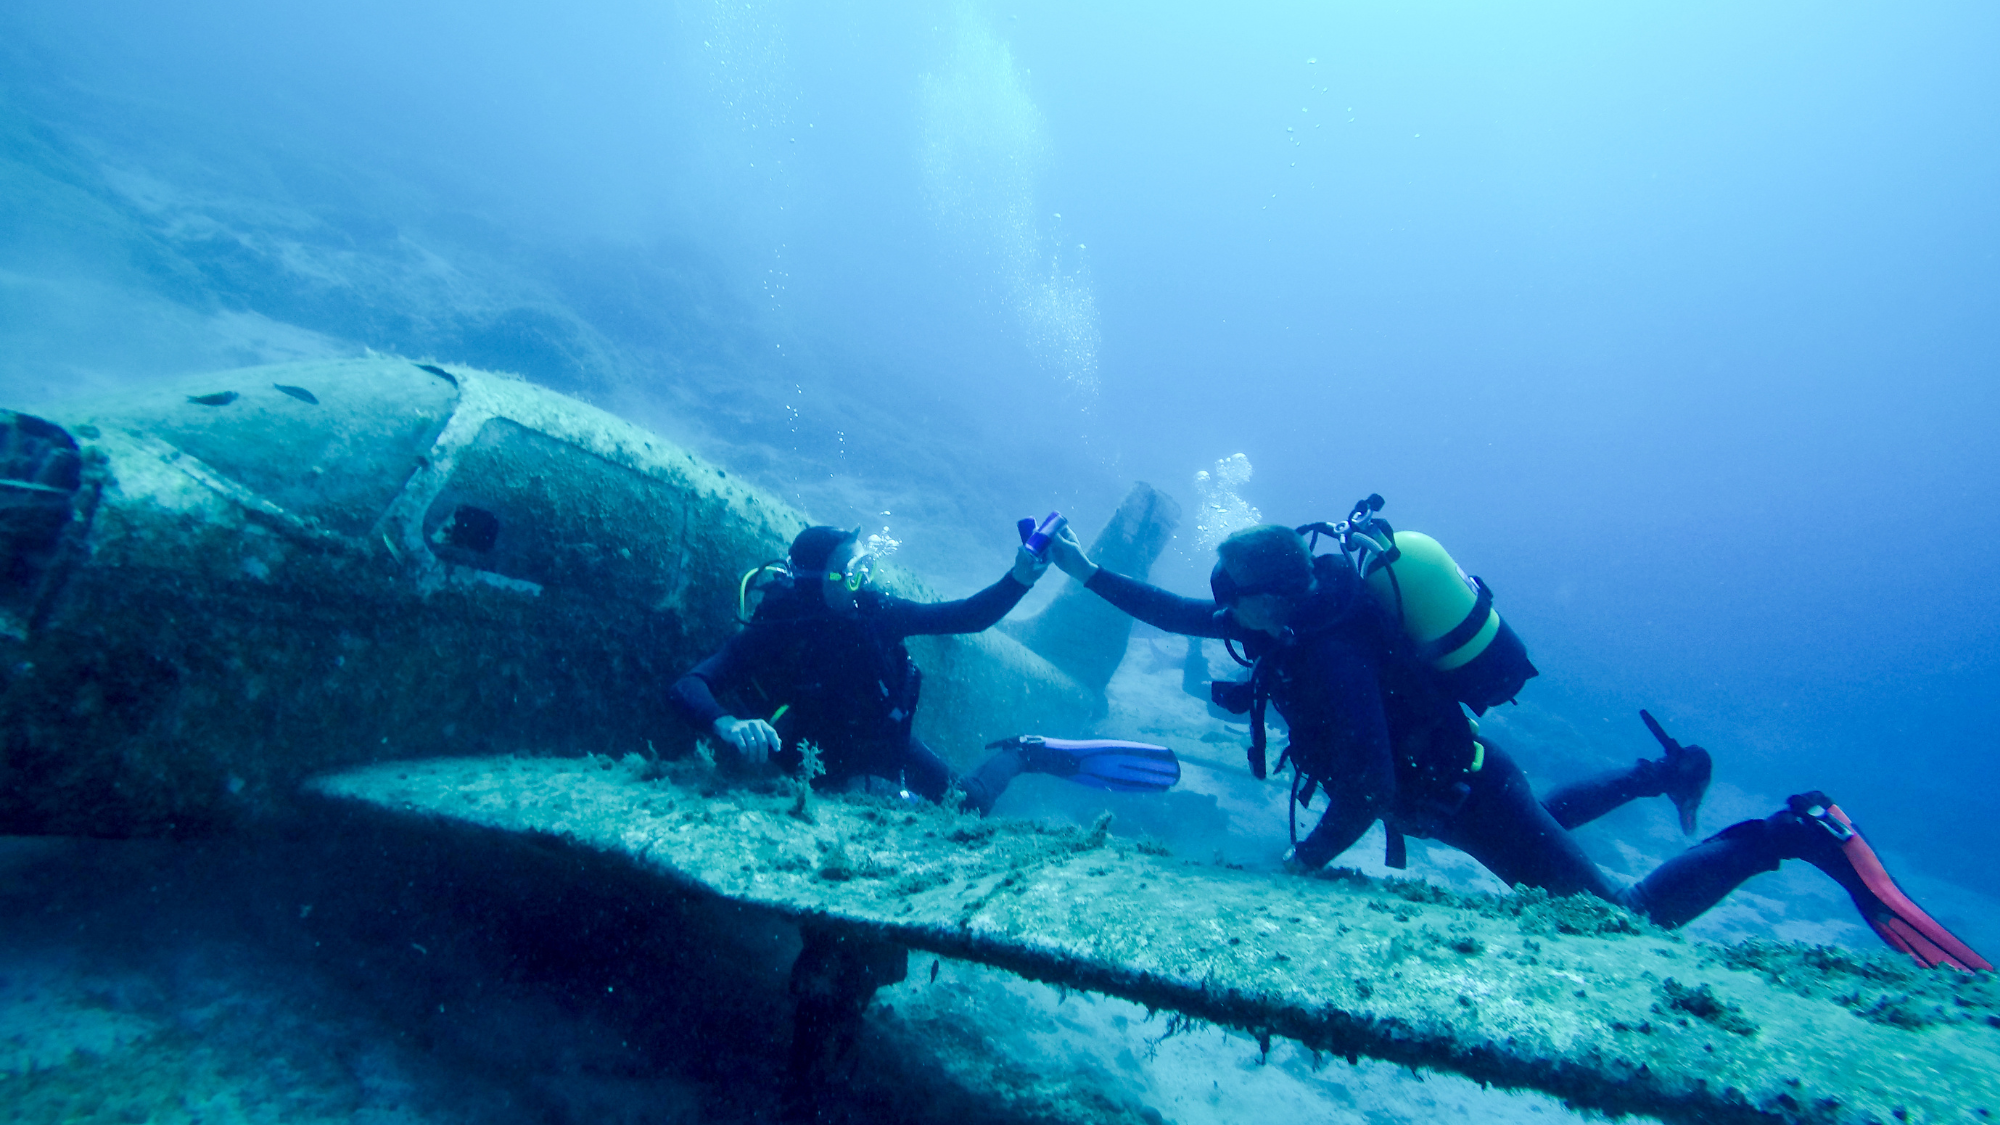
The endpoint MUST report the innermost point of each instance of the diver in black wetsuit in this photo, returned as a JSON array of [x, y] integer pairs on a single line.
[[1380, 734], [823, 661]]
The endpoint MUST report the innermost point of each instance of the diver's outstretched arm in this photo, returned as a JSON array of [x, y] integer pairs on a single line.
[[975, 614], [1190, 617]]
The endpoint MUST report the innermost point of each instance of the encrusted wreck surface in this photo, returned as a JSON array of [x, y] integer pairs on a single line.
[[213, 588], [1569, 996]]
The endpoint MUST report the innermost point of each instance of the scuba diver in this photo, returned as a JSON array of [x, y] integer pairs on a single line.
[[822, 661], [1368, 654]]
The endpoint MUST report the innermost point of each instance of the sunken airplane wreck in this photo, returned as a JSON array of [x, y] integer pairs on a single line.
[[219, 589]]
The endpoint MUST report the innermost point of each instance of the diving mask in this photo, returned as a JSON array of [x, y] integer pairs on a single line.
[[847, 571]]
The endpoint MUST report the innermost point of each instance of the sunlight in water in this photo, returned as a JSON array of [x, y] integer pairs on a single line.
[[983, 156]]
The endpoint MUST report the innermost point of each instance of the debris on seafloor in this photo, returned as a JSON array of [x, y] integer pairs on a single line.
[[1570, 996]]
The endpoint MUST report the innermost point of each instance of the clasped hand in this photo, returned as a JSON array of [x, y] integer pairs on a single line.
[[1028, 566], [1067, 554]]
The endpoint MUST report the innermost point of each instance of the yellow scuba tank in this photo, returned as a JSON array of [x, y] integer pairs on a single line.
[[1449, 615], [1435, 599]]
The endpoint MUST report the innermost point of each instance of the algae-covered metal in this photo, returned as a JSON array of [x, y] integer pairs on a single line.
[[1570, 996], [222, 584]]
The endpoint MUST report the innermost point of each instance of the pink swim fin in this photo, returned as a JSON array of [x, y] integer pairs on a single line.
[[1899, 921]]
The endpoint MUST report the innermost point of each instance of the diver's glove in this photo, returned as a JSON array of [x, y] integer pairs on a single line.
[[1028, 566], [755, 739], [1068, 555]]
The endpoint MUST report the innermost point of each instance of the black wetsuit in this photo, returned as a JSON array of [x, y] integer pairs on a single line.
[[1379, 735], [1367, 723], [846, 683]]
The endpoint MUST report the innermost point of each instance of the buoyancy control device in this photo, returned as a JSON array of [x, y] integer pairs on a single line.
[[833, 674], [1448, 614]]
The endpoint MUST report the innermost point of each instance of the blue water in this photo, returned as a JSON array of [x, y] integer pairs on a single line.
[[1676, 322]]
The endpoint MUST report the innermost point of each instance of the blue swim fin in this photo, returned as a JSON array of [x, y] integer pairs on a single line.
[[1123, 767]]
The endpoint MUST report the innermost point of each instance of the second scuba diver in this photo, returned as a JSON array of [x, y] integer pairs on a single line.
[[1375, 723], [822, 660]]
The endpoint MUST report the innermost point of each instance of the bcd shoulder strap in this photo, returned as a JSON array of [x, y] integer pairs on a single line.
[[1462, 633]]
